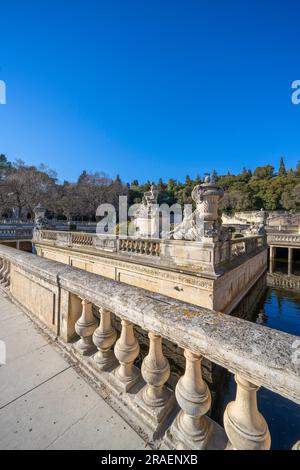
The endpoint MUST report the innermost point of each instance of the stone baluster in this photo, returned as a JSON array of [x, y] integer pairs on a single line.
[[157, 249], [155, 371], [192, 428], [104, 337], [3, 267], [85, 327], [245, 427], [126, 351], [4, 273], [7, 276]]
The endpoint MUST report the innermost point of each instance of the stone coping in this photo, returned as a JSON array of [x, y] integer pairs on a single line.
[[264, 356]]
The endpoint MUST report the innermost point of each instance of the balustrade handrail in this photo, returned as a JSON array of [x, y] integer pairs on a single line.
[[248, 237], [233, 241], [15, 232], [259, 354], [283, 236]]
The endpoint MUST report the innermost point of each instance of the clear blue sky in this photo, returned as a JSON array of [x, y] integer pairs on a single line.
[[152, 88]]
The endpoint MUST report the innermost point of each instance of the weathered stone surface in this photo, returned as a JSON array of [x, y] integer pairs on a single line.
[[214, 273], [263, 356]]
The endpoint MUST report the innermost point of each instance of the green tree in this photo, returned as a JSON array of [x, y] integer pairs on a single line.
[[282, 170], [262, 172]]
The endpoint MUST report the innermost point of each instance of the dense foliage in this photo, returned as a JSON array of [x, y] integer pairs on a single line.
[[23, 187]]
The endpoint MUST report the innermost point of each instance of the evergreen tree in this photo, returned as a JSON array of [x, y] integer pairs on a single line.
[[82, 177], [188, 180], [214, 175], [282, 170], [197, 180], [160, 185]]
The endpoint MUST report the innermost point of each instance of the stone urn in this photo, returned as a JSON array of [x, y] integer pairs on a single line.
[[207, 197]]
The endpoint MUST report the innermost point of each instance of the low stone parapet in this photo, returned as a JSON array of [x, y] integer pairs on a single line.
[[62, 298], [205, 256], [16, 233]]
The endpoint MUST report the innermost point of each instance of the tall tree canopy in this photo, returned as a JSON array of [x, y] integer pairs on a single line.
[[24, 186]]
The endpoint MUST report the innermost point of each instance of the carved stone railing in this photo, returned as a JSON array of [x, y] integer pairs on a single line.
[[257, 355], [82, 239], [15, 233], [283, 239], [139, 246], [46, 235], [125, 245], [246, 245], [4, 273], [153, 248]]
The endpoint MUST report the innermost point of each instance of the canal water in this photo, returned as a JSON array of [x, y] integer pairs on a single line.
[[278, 309]]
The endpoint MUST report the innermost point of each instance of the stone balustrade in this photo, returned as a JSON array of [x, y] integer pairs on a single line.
[[83, 239], [246, 245], [61, 298], [139, 246], [284, 239], [47, 235], [150, 247], [16, 233]]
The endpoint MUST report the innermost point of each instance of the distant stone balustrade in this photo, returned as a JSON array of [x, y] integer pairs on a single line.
[[163, 248], [283, 239], [215, 274], [61, 299], [15, 233]]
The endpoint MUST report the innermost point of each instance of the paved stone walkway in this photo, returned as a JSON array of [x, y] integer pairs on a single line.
[[44, 403]]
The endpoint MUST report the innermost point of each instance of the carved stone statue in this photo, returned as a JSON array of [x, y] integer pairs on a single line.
[[146, 207], [204, 221], [259, 228], [150, 197], [184, 231], [146, 215], [40, 220]]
